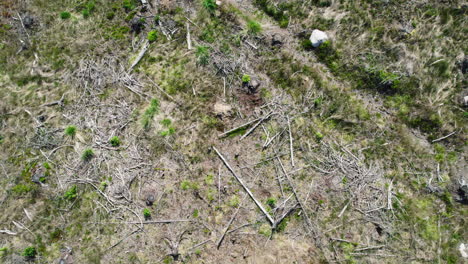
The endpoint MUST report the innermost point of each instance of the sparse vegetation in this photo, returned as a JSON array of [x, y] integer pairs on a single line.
[[234, 201], [3, 252], [152, 36], [147, 213], [203, 55], [70, 131], [65, 15], [21, 189], [71, 193], [369, 125], [253, 27], [209, 5], [30, 252], [114, 141], [149, 113], [271, 202], [87, 155], [245, 78]]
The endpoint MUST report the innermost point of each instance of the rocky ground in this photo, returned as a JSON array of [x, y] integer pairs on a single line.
[[221, 132]]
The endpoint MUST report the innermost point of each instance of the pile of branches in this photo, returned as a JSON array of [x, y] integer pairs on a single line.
[[92, 76]]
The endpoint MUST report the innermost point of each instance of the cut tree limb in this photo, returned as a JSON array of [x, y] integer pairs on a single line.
[[168, 221], [140, 55], [189, 40], [301, 204], [58, 102], [256, 125], [291, 143], [8, 232], [220, 240], [259, 205], [444, 137], [239, 127], [389, 195]]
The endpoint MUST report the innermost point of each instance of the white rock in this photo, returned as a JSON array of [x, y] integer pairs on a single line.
[[222, 109], [463, 250], [318, 37]]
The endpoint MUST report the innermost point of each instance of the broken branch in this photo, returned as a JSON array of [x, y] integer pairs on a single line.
[[259, 205]]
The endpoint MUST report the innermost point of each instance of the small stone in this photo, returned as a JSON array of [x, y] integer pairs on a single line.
[[150, 200], [464, 65], [37, 175], [137, 24], [28, 21], [318, 37], [253, 86], [41, 118], [463, 194], [463, 250], [119, 190], [222, 109], [276, 40]]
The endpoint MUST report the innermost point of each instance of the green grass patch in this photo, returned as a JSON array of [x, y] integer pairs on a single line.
[[115, 141], [149, 113], [65, 15], [87, 155]]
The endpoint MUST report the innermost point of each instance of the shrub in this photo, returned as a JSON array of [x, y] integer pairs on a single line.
[[203, 55], [110, 15], [146, 213], [166, 122], [282, 225], [209, 5], [118, 32], [168, 132], [30, 252], [271, 202], [209, 179], [46, 166], [65, 15], [246, 78], [3, 251], [149, 113], [152, 36], [195, 213], [185, 185], [88, 154], [85, 13], [103, 185], [70, 194], [70, 131], [327, 54], [253, 27], [115, 141], [318, 136], [265, 230], [306, 44], [21, 189], [234, 201], [128, 5]]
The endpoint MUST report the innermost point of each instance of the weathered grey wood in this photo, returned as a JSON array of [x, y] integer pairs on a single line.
[[241, 126], [309, 224], [140, 55], [259, 205]]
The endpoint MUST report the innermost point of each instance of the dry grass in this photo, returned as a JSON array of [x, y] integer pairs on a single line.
[[362, 166]]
